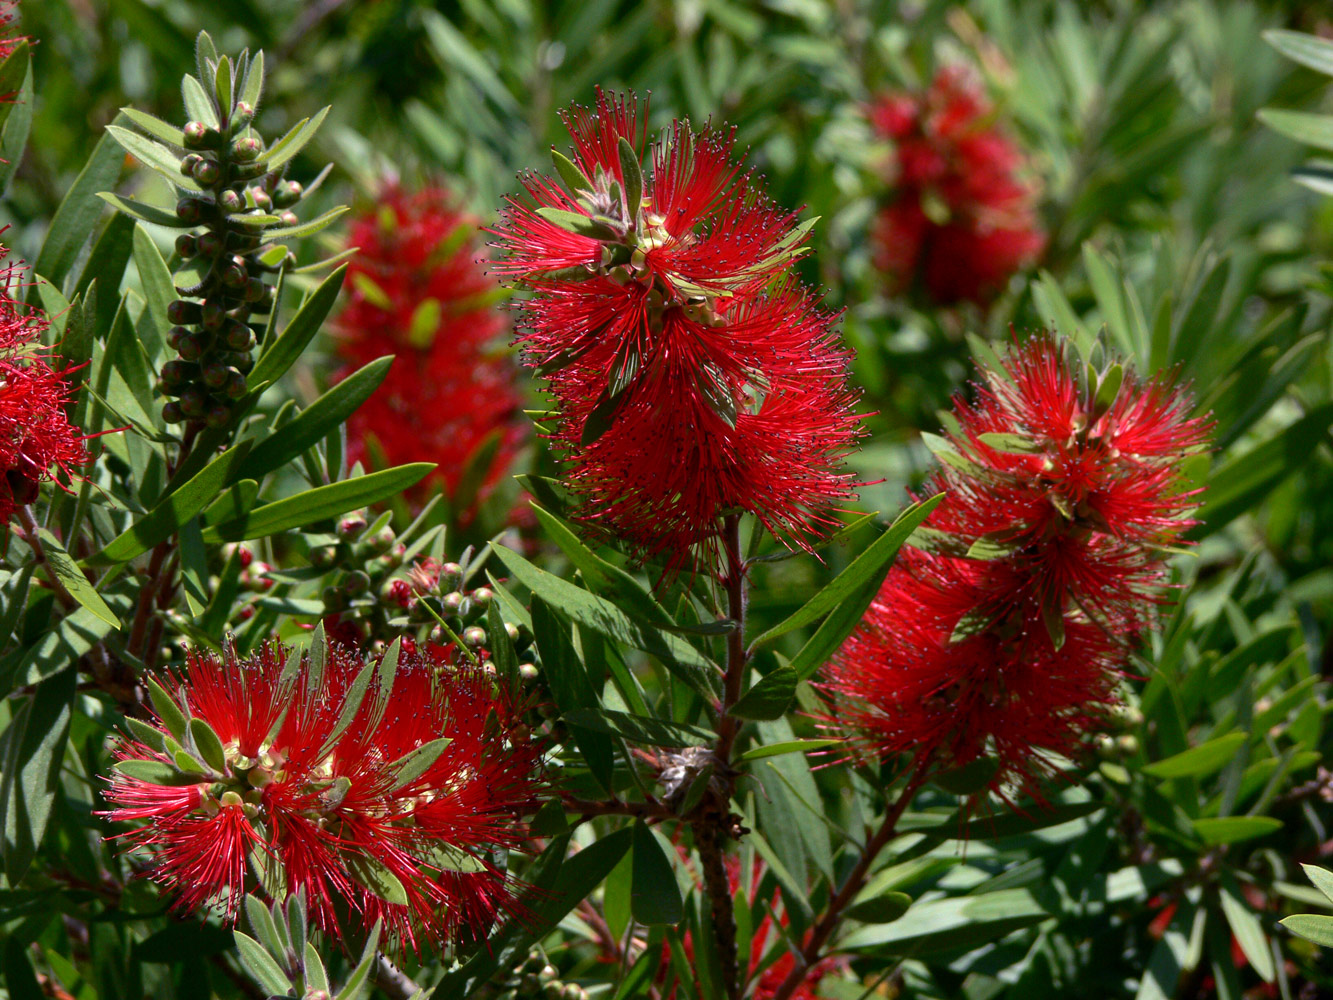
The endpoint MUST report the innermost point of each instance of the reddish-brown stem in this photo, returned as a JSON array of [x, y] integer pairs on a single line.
[[809, 955], [713, 824]]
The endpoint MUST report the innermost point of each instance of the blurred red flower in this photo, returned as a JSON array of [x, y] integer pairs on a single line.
[[694, 377], [36, 436], [391, 804], [959, 221], [1005, 635], [416, 290]]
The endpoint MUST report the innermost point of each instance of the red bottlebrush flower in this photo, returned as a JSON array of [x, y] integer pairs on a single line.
[[959, 222], [693, 376], [391, 804], [36, 436], [416, 291], [1006, 637]]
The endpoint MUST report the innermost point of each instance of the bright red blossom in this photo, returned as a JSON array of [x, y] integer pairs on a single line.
[[693, 376], [1006, 634], [369, 809], [959, 221], [416, 291], [36, 436]]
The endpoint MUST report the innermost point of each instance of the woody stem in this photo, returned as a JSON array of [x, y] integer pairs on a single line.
[[714, 823]]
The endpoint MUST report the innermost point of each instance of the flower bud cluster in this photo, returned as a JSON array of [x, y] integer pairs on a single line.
[[537, 979], [235, 203]]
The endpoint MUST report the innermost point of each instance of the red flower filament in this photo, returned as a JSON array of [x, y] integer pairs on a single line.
[[959, 221], [36, 436], [416, 291], [694, 376], [393, 806], [1006, 635]]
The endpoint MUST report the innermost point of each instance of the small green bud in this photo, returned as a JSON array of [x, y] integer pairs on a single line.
[[213, 314], [177, 373], [187, 246], [451, 575], [215, 375], [238, 336], [219, 415], [207, 172], [255, 290], [231, 202], [288, 218], [287, 193], [193, 401], [190, 348], [183, 311], [236, 386], [474, 636], [190, 210], [241, 115], [261, 198], [188, 162], [210, 244], [171, 412], [200, 136], [234, 275], [175, 335], [246, 150]]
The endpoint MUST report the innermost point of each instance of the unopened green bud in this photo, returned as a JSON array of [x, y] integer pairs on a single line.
[[247, 149], [187, 246], [207, 172]]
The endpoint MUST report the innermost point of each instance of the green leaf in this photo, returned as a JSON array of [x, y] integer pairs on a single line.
[[16, 115], [319, 503], [632, 173], [32, 752], [261, 965], [179, 507], [769, 698], [157, 772], [293, 142], [261, 921], [167, 710], [448, 858], [1241, 482], [153, 155], [252, 87], [654, 892], [310, 426], [144, 213], [1315, 927], [559, 884], [603, 617], [882, 909], [871, 565], [1303, 126], [209, 745], [315, 976], [198, 103], [155, 280], [788, 746], [575, 179], [79, 586], [358, 981], [946, 924], [1203, 759], [1013, 444], [67, 642], [1308, 50], [282, 353], [1248, 931], [1233, 829], [969, 779], [639, 728], [305, 228], [79, 212], [372, 874], [577, 223], [155, 127], [1322, 879], [413, 764]]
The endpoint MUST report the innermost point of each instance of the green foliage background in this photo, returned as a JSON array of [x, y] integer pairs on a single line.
[[1175, 223]]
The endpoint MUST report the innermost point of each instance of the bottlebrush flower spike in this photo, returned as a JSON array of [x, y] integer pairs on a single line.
[[1006, 634], [36, 436], [305, 773], [959, 221], [417, 291], [694, 377]]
